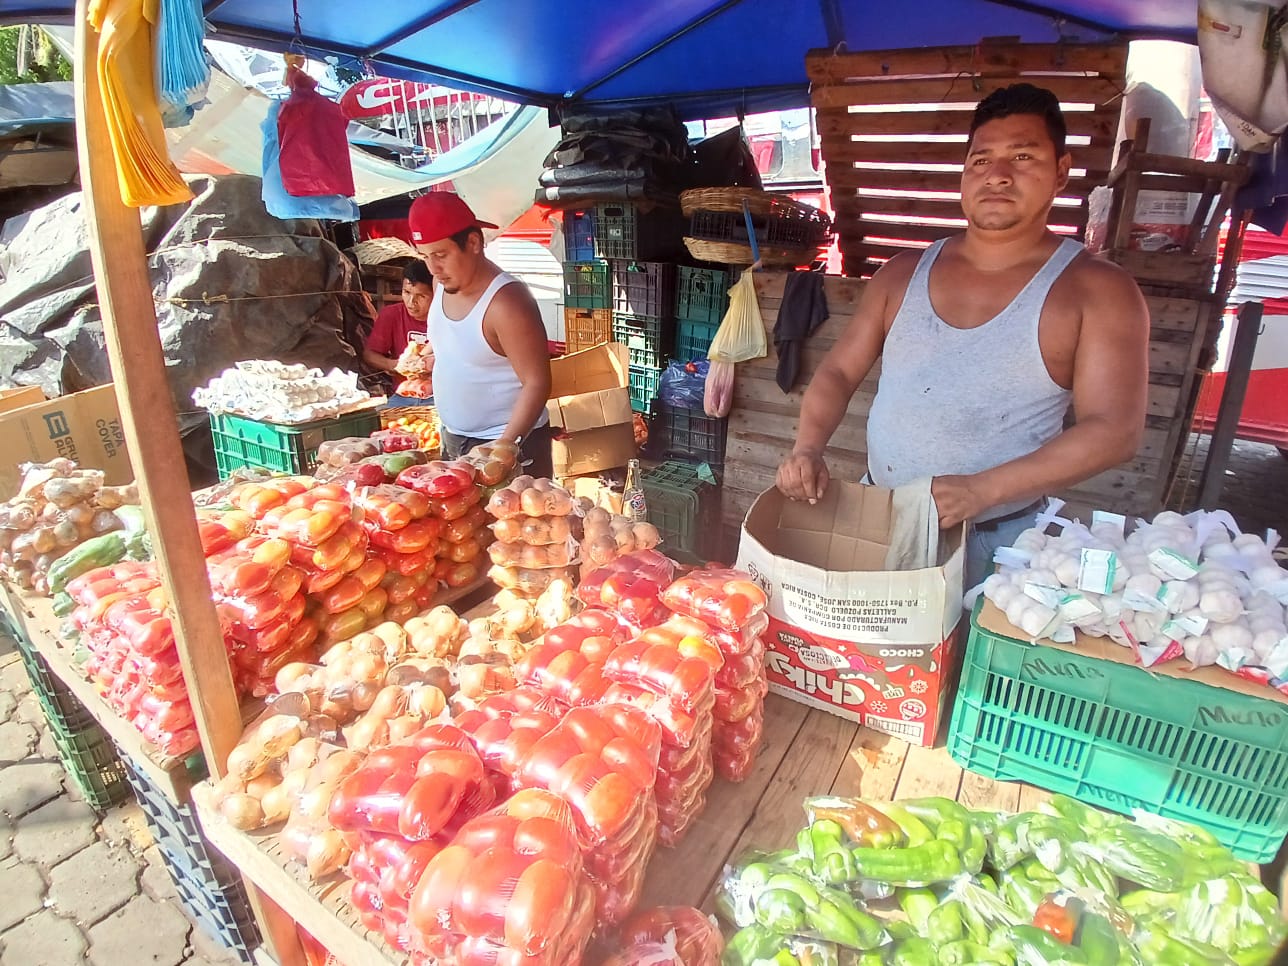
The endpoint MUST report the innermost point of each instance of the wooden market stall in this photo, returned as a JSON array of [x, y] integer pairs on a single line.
[[807, 751]]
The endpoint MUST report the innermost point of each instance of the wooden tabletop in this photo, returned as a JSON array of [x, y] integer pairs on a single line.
[[807, 752]]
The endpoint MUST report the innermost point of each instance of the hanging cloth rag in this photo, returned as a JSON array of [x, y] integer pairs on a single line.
[[803, 310], [914, 536], [126, 62]]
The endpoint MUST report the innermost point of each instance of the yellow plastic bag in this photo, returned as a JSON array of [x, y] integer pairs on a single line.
[[126, 61], [741, 335]]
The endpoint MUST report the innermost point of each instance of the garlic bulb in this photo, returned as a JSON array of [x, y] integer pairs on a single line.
[[1221, 606]]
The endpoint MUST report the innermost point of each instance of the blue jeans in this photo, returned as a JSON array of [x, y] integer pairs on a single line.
[[980, 545]]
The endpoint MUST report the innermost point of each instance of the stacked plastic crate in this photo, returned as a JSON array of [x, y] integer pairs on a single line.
[[588, 319]]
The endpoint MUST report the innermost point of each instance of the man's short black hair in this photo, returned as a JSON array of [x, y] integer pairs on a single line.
[[463, 236], [1023, 99], [417, 272]]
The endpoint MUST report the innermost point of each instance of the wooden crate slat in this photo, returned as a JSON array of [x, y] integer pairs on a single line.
[[825, 66], [845, 148], [948, 119], [947, 90], [845, 176]]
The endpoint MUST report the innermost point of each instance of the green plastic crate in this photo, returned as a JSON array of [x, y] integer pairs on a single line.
[[644, 382], [1117, 737], [693, 339], [289, 449], [586, 285], [647, 340], [683, 507], [93, 764], [701, 295]]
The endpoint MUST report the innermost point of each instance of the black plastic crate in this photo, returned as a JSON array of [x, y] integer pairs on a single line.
[[647, 340], [209, 885], [724, 226], [64, 711], [586, 285], [625, 231], [644, 289], [94, 765], [687, 434], [701, 294], [579, 236]]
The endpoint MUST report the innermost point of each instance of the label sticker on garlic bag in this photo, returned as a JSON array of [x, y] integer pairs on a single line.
[[1115, 520], [1074, 608], [1184, 625], [1096, 570], [1044, 594], [1143, 602], [1172, 565]]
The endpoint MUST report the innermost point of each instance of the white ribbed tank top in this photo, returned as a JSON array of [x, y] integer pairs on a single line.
[[960, 401], [474, 388]]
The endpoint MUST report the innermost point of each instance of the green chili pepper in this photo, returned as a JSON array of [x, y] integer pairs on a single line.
[[832, 861], [964, 952], [934, 861], [750, 944], [914, 829], [917, 904], [944, 924], [782, 910], [1098, 940], [1033, 945]]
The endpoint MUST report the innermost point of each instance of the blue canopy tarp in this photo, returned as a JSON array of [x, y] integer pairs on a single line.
[[709, 57]]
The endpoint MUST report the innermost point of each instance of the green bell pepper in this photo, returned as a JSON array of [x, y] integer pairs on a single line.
[[915, 832], [751, 944], [944, 924], [933, 861], [782, 910], [915, 952]]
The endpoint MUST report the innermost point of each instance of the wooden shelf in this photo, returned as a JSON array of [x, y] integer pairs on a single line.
[[34, 617], [807, 752]]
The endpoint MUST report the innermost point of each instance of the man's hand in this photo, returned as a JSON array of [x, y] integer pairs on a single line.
[[803, 476], [958, 498]]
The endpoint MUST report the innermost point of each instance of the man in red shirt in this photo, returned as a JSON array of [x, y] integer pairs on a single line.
[[394, 323]]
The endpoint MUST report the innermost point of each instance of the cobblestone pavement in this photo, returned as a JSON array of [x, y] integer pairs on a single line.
[[78, 887], [1255, 488]]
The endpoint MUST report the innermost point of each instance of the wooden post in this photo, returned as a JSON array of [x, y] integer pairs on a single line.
[[1242, 349], [152, 437]]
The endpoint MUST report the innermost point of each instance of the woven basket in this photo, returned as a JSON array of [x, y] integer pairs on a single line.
[[387, 416], [731, 253], [725, 199], [373, 251]]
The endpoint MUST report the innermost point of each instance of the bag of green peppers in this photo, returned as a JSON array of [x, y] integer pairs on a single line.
[[1232, 913], [771, 895]]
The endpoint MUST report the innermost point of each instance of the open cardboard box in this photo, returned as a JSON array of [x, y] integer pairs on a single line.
[[845, 635], [84, 426], [994, 621], [589, 389]]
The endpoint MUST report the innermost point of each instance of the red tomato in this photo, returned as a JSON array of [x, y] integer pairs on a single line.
[[429, 804], [539, 907], [344, 595], [408, 872], [481, 900], [461, 574], [489, 832], [435, 894]]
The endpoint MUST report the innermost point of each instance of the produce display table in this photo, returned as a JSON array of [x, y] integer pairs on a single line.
[[33, 616], [806, 752]]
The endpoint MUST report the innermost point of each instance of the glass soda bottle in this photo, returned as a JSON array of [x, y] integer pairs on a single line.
[[633, 505]]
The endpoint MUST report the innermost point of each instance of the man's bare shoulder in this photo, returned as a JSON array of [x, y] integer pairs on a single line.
[[895, 274], [1098, 279], [513, 297]]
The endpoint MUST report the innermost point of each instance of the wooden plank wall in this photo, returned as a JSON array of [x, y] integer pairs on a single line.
[[894, 123], [764, 420]]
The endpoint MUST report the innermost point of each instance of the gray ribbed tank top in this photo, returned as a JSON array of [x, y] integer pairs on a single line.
[[959, 401]]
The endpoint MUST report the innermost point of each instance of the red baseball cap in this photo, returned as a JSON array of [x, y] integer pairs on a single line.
[[440, 214]]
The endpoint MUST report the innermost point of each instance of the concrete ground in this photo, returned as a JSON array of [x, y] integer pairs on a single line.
[[78, 887], [1255, 485]]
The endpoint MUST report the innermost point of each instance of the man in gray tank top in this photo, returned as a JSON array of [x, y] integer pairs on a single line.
[[985, 340]]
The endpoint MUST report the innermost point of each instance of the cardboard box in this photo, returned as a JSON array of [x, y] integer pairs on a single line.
[[870, 645], [592, 450], [85, 426], [588, 390]]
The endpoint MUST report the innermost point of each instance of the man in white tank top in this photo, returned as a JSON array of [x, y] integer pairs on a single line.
[[491, 359], [985, 339]]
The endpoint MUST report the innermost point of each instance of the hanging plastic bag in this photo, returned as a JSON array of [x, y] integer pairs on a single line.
[[718, 395], [282, 205], [741, 336], [314, 147], [182, 73], [684, 384]]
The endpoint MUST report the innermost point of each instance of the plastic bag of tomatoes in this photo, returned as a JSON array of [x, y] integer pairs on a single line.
[[668, 936], [509, 888], [438, 479], [725, 599], [631, 586], [603, 760]]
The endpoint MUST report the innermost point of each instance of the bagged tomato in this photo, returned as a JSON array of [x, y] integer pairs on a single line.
[[680, 728], [725, 599], [686, 681], [363, 473], [394, 441], [668, 936], [733, 766], [737, 737], [603, 760], [742, 670], [438, 479], [615, 898], [449, 508], [631, 586], [563, 673], [510, 880], [258, 498], [390, 507], [595, 633], [738, 703], [412, 537]]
